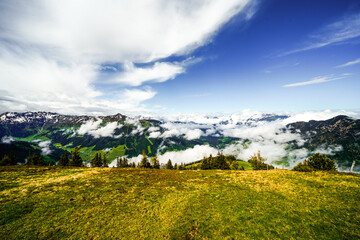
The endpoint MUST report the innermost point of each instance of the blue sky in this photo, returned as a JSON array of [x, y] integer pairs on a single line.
[[244, 68], [202, 56]]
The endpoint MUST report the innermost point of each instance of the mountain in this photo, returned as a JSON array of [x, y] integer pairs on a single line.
[[342, 131], [52, 134]]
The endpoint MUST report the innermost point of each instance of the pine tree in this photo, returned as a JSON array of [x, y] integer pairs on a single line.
[[122, 162], [104, 161], [5, 161], [76, 160], [64, 160], [181, 166], [41, 161], [258, 162], [97, 161], [155, 163], [169, 165], [31, 159], [175, 166], [205, 164], [125, 162], [144, 161], [12, 158], [35, 160]]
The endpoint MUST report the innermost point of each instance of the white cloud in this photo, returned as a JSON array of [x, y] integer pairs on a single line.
[[193, 134], [134, 31], [154, 134], [317, 116], [91, 127], [45, 147], [189, 155], [316, 80], [53, 53], [187, 130], [159, 72], [7, 139], [337, 32], [268, 149], [35, 83], [135, 96], [356, 61], [153, 129], [106, 131]]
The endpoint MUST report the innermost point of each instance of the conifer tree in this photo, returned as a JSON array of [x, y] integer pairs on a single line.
[[144, 161], [35, 160], [104, 161], [169, 165], [40, 161], [97, 161], [76, 160], [181, 166], [258, 162], [64, 160], [155, 163], [205, 164], [5, 161], [32, 159], [122, 162], [12, 158]]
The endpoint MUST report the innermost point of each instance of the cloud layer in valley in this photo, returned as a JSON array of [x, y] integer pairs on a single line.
[[254, 131]]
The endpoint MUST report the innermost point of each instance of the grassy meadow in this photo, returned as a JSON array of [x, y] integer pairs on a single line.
[[113, 203]]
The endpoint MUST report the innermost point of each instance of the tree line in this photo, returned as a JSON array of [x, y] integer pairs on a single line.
[[317, 162]]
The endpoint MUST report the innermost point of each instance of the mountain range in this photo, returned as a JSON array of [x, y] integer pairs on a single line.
[[281, 142]]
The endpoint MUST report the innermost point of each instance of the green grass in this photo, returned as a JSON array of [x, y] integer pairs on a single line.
[[105, 203], [87, 153], [246, 165], [41, 135], [119, 151], [197, 165]]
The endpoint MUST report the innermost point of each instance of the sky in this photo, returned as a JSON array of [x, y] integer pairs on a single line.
[[197, 56]]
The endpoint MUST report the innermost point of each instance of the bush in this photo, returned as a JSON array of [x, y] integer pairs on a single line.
[[303, 167], [316, 162], [321, 162], [258, 162]]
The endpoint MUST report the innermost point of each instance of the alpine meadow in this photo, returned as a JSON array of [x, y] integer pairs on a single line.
[[199, 119]]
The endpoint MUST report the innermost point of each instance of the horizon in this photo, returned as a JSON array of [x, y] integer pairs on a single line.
[[202, 57], [244, 114]]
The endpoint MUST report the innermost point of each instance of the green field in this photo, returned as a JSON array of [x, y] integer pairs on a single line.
[[110, 203]]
